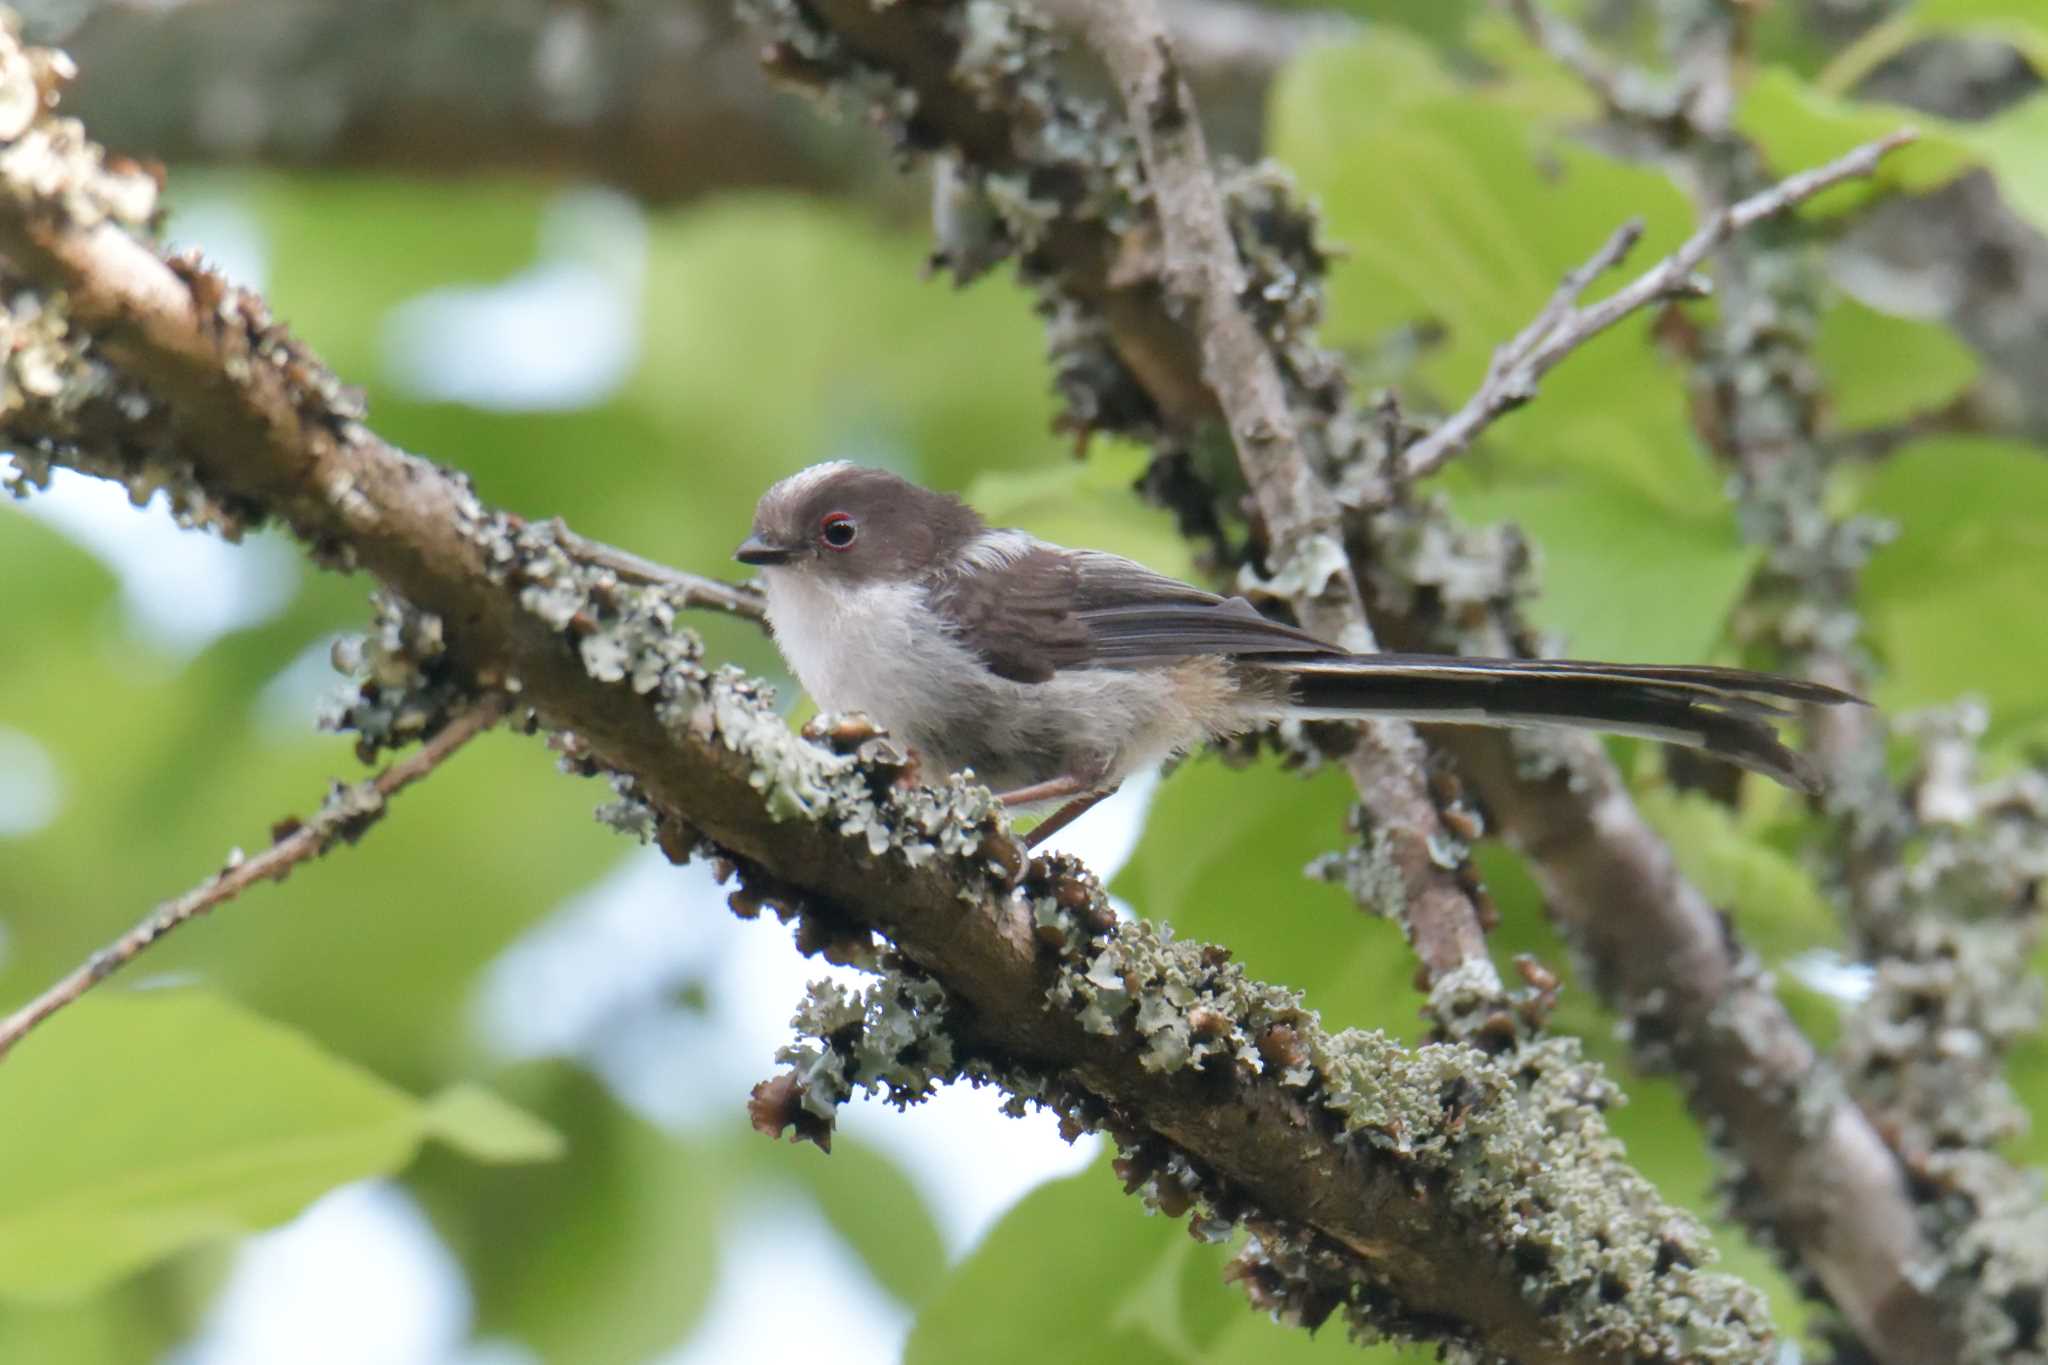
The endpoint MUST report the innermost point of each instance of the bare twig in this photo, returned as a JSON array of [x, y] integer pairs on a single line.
[[1970, 413], [1562, 327], [693, 590], [1302, 517], [344, 816]]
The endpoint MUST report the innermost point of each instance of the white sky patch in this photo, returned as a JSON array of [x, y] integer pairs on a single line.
[[360, 1278], [1106, 837], [597, 981], [230, 237], [180, 590], [31, 792], [969, 1160], [1828, 972], [564, 333], [777, 1254], [286, 706]]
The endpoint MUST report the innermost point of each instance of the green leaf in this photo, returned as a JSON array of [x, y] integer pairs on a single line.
[[1881, 368], [143, 1123], [2011, 146], [1799, 126], [1957, 604], [473, 1120], [1730, 860], [870, 1203], [2018, 23], [343, 249], [142, 1318], [1640, 554], [1623, 575], [1493, 209], [1079, 1272], [1051, 1281], [604, 1258], [894, 368]]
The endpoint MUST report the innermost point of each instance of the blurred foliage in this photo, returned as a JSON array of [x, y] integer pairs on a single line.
[[117, 1173], [146, 1129], [1640, 553]]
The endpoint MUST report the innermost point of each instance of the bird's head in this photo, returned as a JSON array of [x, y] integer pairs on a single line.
[[846, 523]]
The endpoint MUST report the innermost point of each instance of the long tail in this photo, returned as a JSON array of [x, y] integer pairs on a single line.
[[1728, 712]]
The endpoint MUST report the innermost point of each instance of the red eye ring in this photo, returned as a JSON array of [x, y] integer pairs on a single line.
[[837, 531]]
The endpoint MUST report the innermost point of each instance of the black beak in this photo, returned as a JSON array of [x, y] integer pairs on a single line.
[[754, 550]]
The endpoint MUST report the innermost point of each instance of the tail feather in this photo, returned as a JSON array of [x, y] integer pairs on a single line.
[[1725, 711]]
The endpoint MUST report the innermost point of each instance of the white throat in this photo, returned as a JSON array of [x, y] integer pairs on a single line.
[[854, 647]]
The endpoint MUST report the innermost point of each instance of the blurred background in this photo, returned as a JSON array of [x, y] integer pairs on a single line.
[[475, 1091]]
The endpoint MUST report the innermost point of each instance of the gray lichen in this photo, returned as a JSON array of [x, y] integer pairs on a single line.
[[890, 1039], [61, 405], [626, 633], [1515, 1144], [1367, 869], [46, 160], [1959, 924], [404, 688]]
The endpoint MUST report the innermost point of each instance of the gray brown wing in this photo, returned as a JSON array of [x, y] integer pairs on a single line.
[[1049, 608], [1137, 617], [1019, 615]]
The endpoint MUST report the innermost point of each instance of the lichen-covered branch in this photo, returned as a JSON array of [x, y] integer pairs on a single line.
[[656, 97], [1200, 272], [659, 98], [1438, 1193], [344, 817], [1950, 927], [968, 79]]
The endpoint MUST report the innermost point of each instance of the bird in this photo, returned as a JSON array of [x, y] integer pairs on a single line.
[[1053, 674]]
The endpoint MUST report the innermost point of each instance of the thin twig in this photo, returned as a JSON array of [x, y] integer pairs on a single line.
[[740, 599], [1562, 327], [1970, 413], [347, 812]]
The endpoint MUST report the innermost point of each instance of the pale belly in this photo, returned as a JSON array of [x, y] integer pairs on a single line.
[[857, 651]]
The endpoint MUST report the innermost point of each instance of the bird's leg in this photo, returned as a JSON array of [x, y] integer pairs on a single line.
[[1066, 815], [1048, 790], [1084, 794]]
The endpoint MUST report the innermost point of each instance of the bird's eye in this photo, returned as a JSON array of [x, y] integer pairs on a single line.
[[838, 530]]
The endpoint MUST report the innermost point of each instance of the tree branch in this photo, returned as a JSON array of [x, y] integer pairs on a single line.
[[1562, 327], [743, 600], [1825, 1186], [660, 99], [345, 816], [1949, 946], [1440, 1193], [1203, 274]]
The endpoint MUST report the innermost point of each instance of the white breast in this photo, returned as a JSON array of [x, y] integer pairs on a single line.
[[855, 648]]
